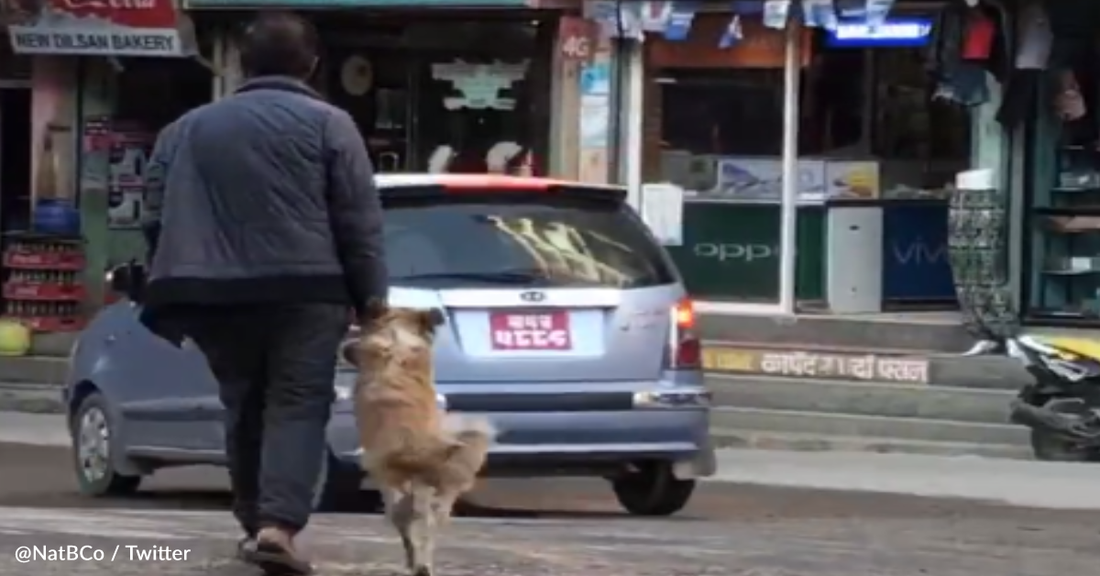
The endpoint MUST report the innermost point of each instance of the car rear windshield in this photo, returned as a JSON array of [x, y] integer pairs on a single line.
[[530, 238]]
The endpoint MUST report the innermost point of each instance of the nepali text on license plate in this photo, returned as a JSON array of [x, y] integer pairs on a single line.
[[530, 331]]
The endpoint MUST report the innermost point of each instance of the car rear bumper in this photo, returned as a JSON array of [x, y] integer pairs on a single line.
[[580, 443]]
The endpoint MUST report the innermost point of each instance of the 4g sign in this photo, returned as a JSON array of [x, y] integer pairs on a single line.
[[577, 38]]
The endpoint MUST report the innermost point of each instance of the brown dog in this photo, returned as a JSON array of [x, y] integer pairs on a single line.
[[420, 458]]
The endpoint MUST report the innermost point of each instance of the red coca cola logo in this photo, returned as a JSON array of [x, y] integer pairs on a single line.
[[131, 13]]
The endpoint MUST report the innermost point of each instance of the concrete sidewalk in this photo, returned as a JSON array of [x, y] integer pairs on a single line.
[[1021, 483], [365, 546]]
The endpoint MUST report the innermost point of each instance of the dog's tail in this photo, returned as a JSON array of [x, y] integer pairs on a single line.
[[462, 445], [474, 435]]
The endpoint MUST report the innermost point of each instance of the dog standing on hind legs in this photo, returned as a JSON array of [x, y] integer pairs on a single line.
[[420, 458]]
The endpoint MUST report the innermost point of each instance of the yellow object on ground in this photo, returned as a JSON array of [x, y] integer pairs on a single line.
[[15, 339]]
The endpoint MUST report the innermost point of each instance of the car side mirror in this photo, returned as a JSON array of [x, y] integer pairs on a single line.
[[128, 279]]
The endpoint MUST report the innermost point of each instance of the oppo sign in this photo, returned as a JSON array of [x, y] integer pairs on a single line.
[[735, 252]]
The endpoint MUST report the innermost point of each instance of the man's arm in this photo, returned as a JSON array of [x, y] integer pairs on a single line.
[[156, 176], [355, 213]]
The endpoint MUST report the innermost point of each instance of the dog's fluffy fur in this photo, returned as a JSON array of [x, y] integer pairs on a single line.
[[420, 458]]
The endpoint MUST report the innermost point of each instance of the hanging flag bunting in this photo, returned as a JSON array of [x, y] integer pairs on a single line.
[[655, 15], [616, 19], [850, 9], [747, 7], [819, 14], [777, 13], [877, 11], [681, 15], [733, 33]]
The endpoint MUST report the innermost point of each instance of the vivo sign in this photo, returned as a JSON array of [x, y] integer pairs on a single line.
[[895, 32]]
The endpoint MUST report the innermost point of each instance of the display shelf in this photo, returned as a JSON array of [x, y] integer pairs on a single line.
[[41, 285], [43, 291], [1075, 190], [1065, 218], [72, 261], [50, 323]]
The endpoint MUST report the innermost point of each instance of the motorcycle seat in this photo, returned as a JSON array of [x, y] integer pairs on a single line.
[[1081, 347]]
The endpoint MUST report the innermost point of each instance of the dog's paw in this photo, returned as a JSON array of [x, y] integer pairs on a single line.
[[423, 570]]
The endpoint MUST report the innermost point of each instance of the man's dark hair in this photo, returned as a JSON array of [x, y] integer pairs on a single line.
[[279, 44]]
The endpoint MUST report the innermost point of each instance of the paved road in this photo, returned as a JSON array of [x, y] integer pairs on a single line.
[[41, 476], [557, 528]]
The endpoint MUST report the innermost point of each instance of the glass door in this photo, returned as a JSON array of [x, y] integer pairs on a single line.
[[374, 85], [481, 99]]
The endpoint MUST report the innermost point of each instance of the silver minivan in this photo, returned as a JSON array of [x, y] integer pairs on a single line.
[[567, 325]]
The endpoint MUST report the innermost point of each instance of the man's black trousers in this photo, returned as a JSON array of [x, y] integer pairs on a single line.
[[275, 364]]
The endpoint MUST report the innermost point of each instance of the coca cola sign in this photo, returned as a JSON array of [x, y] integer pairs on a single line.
[[98, 27]]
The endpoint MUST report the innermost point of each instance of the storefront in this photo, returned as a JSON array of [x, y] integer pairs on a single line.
[[76, 172], [735, 99], [465, 89]]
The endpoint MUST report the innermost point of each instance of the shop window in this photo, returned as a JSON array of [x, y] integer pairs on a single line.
[[150, 93], [873, 106], [154, 92], [1064, 199], [449, 94], [483, 106]]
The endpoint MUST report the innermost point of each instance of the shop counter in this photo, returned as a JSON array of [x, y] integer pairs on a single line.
[[884, 253]]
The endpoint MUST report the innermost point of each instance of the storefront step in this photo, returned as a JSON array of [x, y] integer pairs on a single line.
[[871, 427], [766, 440], [44, 370], [861, 398], [918, 332], [30, 397], [870, 364]]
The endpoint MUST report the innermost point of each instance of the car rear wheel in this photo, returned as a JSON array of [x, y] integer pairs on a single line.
[[653, 490], [94, 444]]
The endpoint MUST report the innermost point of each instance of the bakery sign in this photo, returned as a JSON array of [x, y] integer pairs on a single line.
[[97, 27]]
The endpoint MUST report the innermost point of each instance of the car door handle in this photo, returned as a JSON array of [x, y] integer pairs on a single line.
[[110, 339]]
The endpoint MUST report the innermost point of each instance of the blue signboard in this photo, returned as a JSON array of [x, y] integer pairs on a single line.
[[916, 264], [893, 33]]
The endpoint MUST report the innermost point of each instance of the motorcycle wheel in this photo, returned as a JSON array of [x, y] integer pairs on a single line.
[[1052, 447]]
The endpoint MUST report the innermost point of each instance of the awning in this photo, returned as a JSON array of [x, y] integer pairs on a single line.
[[306, 4]]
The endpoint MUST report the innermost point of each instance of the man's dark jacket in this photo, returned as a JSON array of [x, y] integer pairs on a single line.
[[265, 196]]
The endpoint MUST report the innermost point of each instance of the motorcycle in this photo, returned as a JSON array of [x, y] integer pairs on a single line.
[[1062, 405]]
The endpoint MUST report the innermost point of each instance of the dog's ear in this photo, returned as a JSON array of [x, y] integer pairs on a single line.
[[430, 319]]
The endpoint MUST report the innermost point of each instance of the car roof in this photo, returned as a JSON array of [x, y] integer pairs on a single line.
[[398, 180]]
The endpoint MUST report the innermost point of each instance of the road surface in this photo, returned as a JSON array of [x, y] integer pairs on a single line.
[[552, 528]]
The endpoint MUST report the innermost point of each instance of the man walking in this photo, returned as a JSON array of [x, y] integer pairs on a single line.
[[264, 228]]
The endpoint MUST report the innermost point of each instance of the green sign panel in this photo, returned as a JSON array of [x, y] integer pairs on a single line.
[[731, 251]]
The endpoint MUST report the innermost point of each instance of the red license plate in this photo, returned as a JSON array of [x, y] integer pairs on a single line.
[[530, 331]]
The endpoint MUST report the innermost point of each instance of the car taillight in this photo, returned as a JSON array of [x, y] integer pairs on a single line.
[[684, 348]]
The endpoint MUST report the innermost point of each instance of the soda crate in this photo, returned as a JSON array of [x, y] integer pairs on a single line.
[[50, 323], [43, 291], [30, 260]]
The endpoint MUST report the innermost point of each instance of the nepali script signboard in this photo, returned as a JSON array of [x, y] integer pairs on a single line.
[[96, 27], [808, 364]]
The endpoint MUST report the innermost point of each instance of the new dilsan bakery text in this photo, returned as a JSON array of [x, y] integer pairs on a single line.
[[98, 27]]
